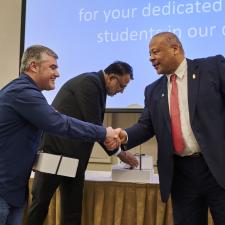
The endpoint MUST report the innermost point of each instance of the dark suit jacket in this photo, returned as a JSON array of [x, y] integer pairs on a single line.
[[82, 97], [206, 99]]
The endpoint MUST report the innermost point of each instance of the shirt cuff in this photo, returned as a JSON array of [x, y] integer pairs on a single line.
[[127, 137], [118, 152]]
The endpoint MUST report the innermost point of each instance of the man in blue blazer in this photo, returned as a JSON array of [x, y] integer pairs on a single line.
[[24, 115], [194, 174]]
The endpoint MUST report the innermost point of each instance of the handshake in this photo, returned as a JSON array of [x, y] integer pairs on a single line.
[[114, 138]]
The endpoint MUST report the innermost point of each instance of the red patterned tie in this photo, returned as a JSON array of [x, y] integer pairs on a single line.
[[177, 136]]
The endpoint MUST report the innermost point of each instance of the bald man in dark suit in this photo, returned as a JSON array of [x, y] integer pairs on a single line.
[[185, 110]]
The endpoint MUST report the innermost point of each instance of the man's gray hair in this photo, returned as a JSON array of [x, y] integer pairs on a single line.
[[34, 53]]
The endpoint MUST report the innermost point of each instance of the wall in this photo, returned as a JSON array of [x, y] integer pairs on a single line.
[[10, 20]]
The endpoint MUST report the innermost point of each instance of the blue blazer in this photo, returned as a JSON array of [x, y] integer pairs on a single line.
[[206, 99], [24, 115]]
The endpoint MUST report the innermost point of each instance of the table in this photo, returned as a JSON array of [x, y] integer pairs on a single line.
[[117, 203]]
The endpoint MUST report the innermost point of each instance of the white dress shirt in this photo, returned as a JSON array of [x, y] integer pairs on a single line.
[[191, 145]]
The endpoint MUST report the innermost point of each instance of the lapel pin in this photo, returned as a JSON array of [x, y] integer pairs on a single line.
[[193, 76], [162, 95]]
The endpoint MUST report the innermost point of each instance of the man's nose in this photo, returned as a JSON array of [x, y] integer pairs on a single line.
[[57, 73], [151, 58]]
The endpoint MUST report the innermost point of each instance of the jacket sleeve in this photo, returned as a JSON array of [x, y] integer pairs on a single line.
[[33, 107], [143, 129]]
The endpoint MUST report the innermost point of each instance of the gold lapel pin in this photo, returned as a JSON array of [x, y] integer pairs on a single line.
[[193, 76]]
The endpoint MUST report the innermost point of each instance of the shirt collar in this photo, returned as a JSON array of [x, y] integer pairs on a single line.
[[26, 76], [181, 70]]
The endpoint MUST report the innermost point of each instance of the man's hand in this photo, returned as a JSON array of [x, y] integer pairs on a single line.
[[123, 136], [112, 140], [128, 158]]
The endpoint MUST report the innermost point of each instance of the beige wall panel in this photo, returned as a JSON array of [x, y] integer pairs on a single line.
[[10, 20]]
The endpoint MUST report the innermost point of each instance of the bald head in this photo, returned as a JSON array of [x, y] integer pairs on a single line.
[[170, 38]]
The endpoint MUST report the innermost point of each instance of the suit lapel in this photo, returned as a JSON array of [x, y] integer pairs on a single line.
[[164, 103], [193, 87], [103, 92]]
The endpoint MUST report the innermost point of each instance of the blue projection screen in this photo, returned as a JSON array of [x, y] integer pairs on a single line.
[[89, 35]]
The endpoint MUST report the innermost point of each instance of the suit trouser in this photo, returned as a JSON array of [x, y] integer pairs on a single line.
[[71, 193], [194, 191]]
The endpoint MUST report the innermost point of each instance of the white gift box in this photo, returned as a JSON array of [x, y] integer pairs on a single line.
[[131, 175], [56, 164], [144, 173], [145, 163]]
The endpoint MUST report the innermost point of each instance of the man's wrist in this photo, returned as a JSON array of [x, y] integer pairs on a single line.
[[118, 152], [125, 137]]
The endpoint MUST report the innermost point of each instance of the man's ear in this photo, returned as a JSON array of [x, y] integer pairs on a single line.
[[108, 78], [33, 66], [111, 76], [176, 49]]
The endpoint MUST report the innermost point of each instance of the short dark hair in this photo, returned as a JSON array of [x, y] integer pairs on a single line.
[[119, 68]]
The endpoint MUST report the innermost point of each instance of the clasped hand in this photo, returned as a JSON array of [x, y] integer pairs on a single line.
[[114, 138]]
